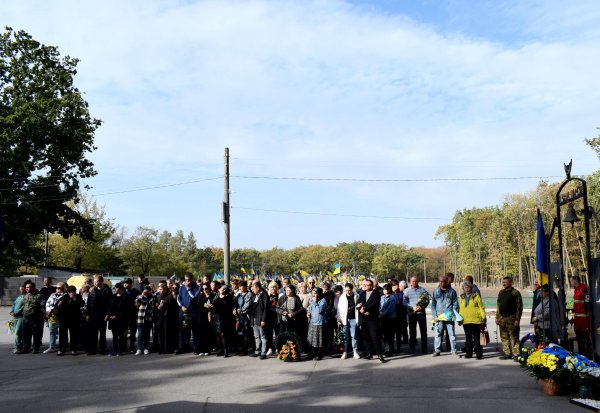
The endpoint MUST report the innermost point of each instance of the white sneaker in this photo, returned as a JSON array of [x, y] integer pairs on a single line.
[[48, 350], [356, 355], [146, 352], [138, 353], [344, 355], [269, 352]]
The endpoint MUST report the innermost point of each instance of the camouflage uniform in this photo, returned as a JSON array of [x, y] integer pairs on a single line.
[[510, 309]]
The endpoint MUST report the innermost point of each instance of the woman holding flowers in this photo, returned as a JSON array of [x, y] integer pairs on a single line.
[[472, 310]]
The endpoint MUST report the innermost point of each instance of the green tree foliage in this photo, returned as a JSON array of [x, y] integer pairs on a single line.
[[315, 259], [208, 260], [141, 252], [45, 133], [100, 252], [277, 261], [246, 258], [357, 256], [594, 143]]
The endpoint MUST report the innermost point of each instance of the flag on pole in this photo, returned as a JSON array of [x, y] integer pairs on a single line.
[[541, 252], [337, 268]]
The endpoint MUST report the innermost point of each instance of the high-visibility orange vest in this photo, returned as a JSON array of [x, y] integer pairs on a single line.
[[581, 308]]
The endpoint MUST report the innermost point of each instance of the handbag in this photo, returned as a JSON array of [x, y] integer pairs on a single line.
[[484, 338]]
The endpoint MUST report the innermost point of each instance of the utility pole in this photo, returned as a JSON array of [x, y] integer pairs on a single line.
[[226, 217], [46, 250]]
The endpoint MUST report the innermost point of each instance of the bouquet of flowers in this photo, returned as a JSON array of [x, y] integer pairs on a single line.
[[528, 346], [52, 318], [583, 369], [186, 321], [10, 327], [423, 300], [548, 364], [339, 339], [288, 347]]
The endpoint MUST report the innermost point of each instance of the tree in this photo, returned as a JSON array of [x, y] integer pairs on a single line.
[[101, 252], [277, 261], [45, 133], [139, 251], [391, 260]]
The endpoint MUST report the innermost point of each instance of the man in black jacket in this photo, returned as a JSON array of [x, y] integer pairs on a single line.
[[260, 304], [96, 315], [368, 313]]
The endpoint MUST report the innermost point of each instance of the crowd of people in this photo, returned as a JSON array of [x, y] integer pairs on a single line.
[[245, 318]]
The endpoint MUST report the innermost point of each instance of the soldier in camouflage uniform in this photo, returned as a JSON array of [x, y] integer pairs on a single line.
[[508, 318]]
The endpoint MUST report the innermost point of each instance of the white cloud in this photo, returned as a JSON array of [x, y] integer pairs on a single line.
[[319, 88]]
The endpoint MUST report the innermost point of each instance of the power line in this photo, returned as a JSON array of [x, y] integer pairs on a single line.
[[146, 188], [339, 215], [290, 178]]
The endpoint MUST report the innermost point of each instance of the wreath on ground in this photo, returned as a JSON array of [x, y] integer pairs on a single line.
[[289, 346]]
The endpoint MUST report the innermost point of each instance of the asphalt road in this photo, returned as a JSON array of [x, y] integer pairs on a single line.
[[186, 383]]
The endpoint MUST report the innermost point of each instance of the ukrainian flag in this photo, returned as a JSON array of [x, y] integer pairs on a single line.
[[449, 315], [541, 252], [337, 268]]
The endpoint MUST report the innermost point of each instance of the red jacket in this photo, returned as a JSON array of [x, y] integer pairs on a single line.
[[581, 308]]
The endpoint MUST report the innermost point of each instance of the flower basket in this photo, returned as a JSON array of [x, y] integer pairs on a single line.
[[289, 347], [551, 387]]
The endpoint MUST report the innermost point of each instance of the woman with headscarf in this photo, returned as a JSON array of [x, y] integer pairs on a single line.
[[316, 315]]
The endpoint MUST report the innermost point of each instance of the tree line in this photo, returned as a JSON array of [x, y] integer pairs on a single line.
[[491, 242], [161, 253]]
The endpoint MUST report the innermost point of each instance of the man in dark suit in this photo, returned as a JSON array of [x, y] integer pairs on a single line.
[[368, 313]]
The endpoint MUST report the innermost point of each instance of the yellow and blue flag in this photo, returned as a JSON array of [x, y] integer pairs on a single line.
[[337, 268], [541, 252]]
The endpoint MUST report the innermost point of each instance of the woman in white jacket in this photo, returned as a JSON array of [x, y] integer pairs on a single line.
[[347, 315]]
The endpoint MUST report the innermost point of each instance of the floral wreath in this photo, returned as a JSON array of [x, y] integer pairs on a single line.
[[289, 346]]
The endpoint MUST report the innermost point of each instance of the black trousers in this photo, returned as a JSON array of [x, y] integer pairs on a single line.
[[401, 326], [33, 328], [119, 333], [372, 335], [472, 340], [132, 329], [68, 334], [388, 328], [96, 327], [413, 320]]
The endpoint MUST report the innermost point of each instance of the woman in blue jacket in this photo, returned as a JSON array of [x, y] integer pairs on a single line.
[[316, 315]]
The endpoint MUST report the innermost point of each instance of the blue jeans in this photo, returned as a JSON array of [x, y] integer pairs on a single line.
[[350, 329], [53, 329], [439, 332], [260, 339]]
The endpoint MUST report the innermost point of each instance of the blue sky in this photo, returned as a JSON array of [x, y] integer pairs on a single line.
[[325, 89]]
